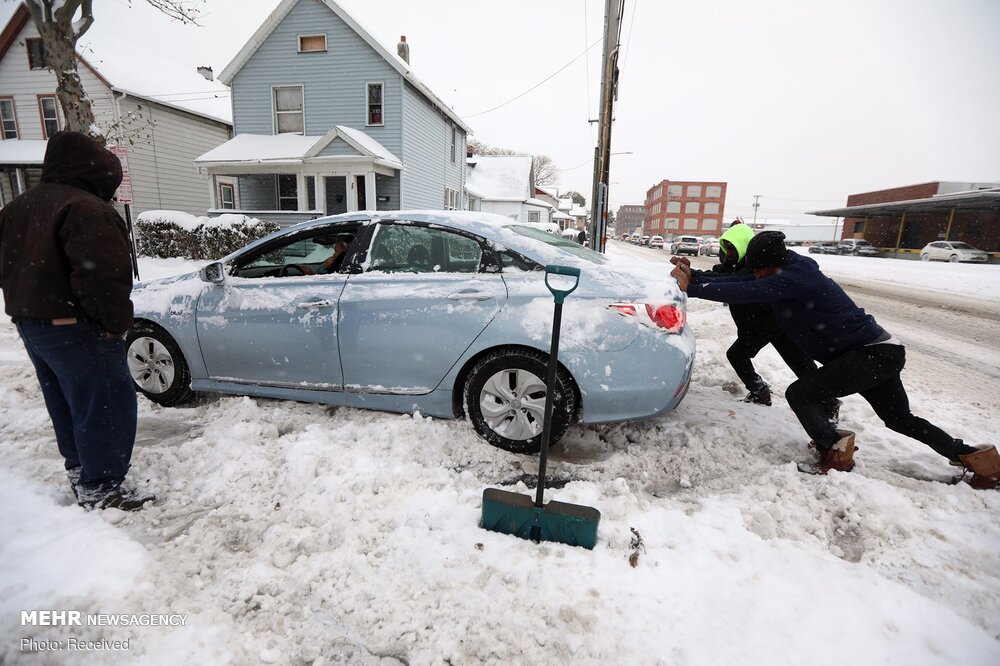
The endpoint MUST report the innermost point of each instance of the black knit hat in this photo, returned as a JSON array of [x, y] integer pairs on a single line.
[[765, 250]]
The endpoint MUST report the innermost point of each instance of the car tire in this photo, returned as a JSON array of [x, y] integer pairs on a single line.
[[505, 376], [953, 258], [157, 365], [925, 257], [855, 252]]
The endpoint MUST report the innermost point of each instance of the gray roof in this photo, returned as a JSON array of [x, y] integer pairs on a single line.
[[987, 200]]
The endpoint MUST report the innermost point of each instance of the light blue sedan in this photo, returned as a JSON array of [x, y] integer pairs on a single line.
[[441, 312]]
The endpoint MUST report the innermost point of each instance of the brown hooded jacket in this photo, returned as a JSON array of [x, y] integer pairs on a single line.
[[64, 249]]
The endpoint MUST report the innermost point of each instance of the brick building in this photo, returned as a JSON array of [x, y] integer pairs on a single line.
[[629, 218], [904, 219], [685, 207]]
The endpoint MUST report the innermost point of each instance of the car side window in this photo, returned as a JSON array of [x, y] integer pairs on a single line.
[[405, 248], [320, 252]]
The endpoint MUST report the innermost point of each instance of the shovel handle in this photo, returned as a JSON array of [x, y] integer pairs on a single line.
[[561, 294]]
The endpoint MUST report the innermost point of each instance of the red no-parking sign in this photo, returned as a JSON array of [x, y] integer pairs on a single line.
[[124, 193]]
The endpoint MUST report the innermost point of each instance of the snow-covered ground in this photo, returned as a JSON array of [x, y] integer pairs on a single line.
[[294, 533]]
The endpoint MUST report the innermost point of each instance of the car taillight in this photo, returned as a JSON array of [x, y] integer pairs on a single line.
[[666, 316], [669, 318]]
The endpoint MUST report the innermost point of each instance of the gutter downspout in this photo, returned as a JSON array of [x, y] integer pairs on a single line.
[[899, 237], [951, 218]]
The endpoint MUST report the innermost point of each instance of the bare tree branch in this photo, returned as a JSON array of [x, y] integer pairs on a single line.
[[185, 11]]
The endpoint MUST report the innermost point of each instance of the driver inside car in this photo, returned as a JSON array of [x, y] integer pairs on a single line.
[[332, 263]]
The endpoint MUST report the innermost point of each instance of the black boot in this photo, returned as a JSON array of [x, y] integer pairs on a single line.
[[115, 498], [761, 396]]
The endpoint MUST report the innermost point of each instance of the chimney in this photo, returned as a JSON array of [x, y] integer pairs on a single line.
[[403, 49], [207, 73]]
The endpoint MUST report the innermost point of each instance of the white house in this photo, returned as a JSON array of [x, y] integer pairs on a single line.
[[161, 115], [504, 184]]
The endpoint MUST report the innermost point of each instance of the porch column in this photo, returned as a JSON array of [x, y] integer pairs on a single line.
[[302, 202], [370, 199], [213, 192], [951, 218], [351, 192], [321, 193], [899, 236], [19, 174]]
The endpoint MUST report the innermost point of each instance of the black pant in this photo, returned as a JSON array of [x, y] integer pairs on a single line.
[[872, 372], [747, 346]]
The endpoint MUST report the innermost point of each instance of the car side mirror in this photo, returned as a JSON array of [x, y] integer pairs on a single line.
[[213, 272]]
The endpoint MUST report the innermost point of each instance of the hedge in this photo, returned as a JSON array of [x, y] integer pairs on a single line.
[[161, 235]]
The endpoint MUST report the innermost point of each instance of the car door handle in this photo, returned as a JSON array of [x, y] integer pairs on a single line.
[[316, 304], [470, 296]]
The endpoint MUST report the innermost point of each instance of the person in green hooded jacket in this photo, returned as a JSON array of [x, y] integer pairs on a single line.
[[756, 326]]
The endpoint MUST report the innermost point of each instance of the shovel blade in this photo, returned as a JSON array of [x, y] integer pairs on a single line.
[[511, 513]]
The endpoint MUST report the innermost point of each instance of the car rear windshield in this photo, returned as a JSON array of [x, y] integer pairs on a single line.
[[572, 247]]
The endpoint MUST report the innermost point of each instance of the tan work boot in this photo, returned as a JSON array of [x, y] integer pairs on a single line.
[[840, 456], [985, 467]]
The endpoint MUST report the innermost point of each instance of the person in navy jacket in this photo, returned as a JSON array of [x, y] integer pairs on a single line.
[[857, 355]]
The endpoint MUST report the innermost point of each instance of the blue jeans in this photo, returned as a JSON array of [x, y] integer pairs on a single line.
[[89, 394]]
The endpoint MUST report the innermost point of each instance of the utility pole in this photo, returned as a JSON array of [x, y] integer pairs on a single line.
[[613, 10], [756, 205]]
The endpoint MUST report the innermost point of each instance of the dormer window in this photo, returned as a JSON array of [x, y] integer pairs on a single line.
[[312, 43], [288, 116], [375, 104], [36, 53]]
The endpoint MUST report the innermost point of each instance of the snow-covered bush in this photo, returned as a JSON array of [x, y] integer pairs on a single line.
[[171, 233]]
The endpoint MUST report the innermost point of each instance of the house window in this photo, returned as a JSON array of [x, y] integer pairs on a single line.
[[713, 191], [452, 200], [375, 104], [50, 118], [312, 43], [227, 196], [36, 54], [454, 132], [288, 192], [288, 110], [8, 119], [534, 216]]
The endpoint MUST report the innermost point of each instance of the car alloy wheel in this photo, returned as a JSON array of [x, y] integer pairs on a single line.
[[953, 259], [157, 365], [505, 400], [925, 257]]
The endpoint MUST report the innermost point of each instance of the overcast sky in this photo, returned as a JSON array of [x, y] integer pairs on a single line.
[[801, 102]]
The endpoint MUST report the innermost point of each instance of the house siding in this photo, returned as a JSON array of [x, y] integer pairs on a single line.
[[387, 186], [338, 147], [426, 154], [161, 166], [333, 81]]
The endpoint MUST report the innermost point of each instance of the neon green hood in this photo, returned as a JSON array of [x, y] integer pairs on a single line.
[[739, 236]]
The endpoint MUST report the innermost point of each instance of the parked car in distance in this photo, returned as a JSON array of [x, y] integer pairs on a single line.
[[858, 247], [709, 247], [953, 251], [441, 312], [686, 245], [644, 241], [823, 247], [656, 241]]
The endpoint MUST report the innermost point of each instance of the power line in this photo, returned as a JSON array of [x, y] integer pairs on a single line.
[[514, 99]]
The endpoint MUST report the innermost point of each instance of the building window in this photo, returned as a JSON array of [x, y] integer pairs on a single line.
[[50, 117], [452, 199], [454, 133], [673, 206], [694, 191], [692, 207], [534, 216], [674, 191], [312, 43], [36, 54], [375, 104], [673, 223], [711, 208], [713, 191], [710, 224], [8, 119], [690, 222], [227, 196], [288, 191], [288, 116]]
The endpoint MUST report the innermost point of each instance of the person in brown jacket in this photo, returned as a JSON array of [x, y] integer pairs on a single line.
[[66, 275]]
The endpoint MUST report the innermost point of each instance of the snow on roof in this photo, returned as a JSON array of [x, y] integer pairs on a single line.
[[559, 215], [566, 205], [22, 151], [162, 78], [501, 177], [578, 211], [538, 202], [294, 148]]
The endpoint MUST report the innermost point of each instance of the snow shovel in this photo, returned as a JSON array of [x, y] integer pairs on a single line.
[[511, 513]]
